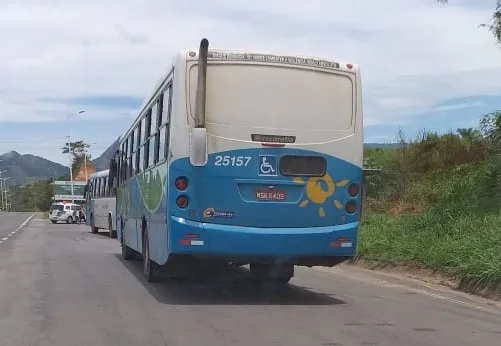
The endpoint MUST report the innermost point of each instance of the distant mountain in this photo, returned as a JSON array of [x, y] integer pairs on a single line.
[[27, 168], [382, 145], [103, 161]]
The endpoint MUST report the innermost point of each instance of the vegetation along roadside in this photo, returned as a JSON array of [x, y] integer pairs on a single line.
[[436, 205]]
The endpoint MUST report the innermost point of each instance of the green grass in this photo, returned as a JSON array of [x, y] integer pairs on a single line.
[[464, 245], [458, 232], [436, 205]]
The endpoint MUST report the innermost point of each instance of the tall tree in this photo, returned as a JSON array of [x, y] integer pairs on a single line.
[[79, 153]]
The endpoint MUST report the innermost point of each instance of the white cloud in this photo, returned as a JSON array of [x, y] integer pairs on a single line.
[[413, 53]]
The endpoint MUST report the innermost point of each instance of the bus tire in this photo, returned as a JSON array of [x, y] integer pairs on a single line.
[[69, 219], [127, 253], [93, 227], [113, 234], [150, 268]]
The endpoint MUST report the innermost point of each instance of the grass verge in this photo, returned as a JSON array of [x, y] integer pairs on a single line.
[[462, 246]]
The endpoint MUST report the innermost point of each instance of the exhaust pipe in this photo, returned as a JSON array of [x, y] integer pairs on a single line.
[[201, 84]]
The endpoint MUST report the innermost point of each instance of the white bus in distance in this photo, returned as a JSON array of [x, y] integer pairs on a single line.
[[100, 204]]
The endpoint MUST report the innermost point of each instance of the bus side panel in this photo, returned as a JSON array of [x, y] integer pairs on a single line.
[[89, 206], [127, 198], [144, 197]]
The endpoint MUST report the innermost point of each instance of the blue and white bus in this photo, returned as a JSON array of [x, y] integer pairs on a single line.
[[243, 158]]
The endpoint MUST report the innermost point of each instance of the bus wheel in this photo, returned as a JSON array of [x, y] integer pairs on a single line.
[[93, 227], [127, 253], [69, 219], [150, 268], [113, 234]]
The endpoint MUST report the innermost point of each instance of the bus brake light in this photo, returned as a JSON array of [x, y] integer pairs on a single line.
[[351, 207], [353, 190], [181, 183], [182, 201]]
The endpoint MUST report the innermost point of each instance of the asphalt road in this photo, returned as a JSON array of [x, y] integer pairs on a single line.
[[9, 223], [62, 286]]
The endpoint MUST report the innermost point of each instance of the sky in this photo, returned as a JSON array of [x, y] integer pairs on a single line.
[[424, 65]]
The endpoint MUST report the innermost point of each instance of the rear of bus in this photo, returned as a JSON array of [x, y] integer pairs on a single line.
[[283, 171]]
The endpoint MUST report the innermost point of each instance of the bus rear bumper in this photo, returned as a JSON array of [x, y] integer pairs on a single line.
[[237, 242]]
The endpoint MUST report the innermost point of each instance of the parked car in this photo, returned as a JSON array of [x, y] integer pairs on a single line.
[[66, 212]]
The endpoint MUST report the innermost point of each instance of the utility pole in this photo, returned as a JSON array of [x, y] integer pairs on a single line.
[[2, 192], [1, 189], [6, 192]]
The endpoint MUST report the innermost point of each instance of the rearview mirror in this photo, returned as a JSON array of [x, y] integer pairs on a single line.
[[198, 146]]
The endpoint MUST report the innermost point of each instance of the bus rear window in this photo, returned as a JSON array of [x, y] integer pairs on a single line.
[[261, 96], [313, 166]]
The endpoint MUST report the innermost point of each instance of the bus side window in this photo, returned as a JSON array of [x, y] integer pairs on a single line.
[[145, 153], [156, 151], [162, 138], [125, 163], [122, 174], [150, 145], [146, 145], [131, 156], [140, 158], [138, 150]]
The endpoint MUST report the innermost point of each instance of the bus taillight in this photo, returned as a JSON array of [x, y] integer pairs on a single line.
[[351, 207], [181, 183], [353, 190], [182, 201]]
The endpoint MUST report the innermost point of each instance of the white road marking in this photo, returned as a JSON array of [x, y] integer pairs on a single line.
[[17, 229]]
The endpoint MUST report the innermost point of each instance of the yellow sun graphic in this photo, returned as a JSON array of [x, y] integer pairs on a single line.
[[317, 194]]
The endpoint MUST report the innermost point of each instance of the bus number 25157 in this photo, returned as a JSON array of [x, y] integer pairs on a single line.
[[227, 160]]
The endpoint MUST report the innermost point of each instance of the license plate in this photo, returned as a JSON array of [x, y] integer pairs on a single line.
[[270, 195]]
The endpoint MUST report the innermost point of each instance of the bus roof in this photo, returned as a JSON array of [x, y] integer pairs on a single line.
[[100, 174]]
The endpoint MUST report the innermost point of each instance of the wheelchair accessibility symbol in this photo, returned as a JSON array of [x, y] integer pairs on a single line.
[[268, 165]]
